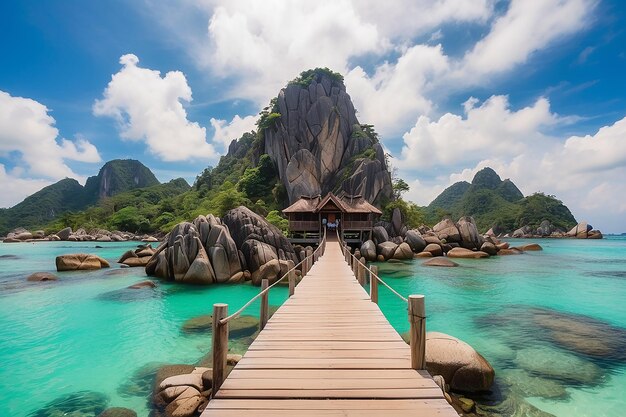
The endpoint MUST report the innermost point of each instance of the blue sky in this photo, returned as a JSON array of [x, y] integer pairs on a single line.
[[534, 89]]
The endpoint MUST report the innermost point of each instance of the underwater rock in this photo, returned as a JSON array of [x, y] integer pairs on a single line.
[[440, 261], [41, 276], [140, 382], [562, 366], [242, 326], [143, 284], [76, 404], [532, 386], [582, 334], [117, 412]]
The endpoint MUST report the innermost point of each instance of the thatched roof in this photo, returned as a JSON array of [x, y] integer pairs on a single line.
[[346, 203]]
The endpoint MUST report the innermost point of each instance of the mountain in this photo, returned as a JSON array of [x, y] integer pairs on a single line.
[[312, 134], [118, 176], [498, 203], [67, 195]]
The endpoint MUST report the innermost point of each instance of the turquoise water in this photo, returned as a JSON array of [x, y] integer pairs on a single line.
[[88, 332], [489, 303]]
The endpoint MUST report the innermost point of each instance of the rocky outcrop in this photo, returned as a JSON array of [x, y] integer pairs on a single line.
[[470, 238], [446, 229], [460, 365], [415, 240], [137, 257], [319, 146], [205, 251], [80, 262]]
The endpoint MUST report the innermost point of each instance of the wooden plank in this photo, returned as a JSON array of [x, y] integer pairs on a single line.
[[328, 351], [332, 393]]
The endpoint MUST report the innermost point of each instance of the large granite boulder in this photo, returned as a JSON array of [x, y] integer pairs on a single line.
[[466, 253], [415, 240], [580, 231], [80, 262], [386, 249], [470, 238], [446, 229], [317, 142], [380, 235], [460, 365], [368, 250], [201, 252], [403, 251], [64, 234], [244, 224]]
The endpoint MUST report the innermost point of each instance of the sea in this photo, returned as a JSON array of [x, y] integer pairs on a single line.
[[552, 324]]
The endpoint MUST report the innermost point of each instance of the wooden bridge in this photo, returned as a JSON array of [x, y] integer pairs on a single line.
[[327, 351]]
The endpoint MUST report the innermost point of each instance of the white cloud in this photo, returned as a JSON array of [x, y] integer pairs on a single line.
[[396, 93], [408, 18], [149, 108], [28, 129], [489, 129], [265, 44], [15, 189], [526, 27], [226, 132]]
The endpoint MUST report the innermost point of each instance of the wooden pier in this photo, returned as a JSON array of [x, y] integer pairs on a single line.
[[328, 351]]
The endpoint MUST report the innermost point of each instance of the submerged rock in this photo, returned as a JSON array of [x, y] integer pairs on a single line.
[[557, 365], [117, 412], [140, 382], [77, 404], [41, 276], [440, 261], [533, 386], [242, 326]]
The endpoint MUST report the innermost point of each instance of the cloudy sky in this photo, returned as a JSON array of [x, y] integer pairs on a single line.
[[534, 89]]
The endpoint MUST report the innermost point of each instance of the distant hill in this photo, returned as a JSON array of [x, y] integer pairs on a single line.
[[67, 195], [498, 204]]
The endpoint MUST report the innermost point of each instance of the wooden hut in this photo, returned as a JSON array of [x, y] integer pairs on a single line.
[[351, 215]]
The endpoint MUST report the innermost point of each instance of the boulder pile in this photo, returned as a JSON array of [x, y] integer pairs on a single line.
[[80, 235], [241, 246]]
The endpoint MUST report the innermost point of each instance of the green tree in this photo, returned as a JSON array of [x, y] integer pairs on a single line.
[[399, 187]]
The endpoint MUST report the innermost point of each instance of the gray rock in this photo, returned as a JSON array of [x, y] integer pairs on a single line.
[[368, 250], [403, 251], [396, 221], [470, 238], [555, 364], [380, 235], [64, 234], [415, 240], [446, 229], [386, 249]]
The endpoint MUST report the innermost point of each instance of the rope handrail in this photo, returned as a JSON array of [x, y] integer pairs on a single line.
[[372, 274], [256, 297]]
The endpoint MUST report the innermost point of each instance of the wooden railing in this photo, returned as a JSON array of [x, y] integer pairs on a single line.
[[220, 311], [304, 225], [415, 304], [356, 225]]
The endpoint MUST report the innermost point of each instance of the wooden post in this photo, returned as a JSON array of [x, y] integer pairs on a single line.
[[417, 320], [374, 284], [309, 262], [265, 310], [302, 255], [361, 265], [292, 282], [220, 345]]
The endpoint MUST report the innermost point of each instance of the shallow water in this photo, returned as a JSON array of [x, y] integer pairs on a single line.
[[491, 304], [88, 332]]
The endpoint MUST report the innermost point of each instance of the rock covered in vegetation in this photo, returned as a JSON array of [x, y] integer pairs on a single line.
[[80, 262], [314, 138], [460, 365]]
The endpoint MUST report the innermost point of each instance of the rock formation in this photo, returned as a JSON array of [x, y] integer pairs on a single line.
[[318, 144], [211, 250]]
